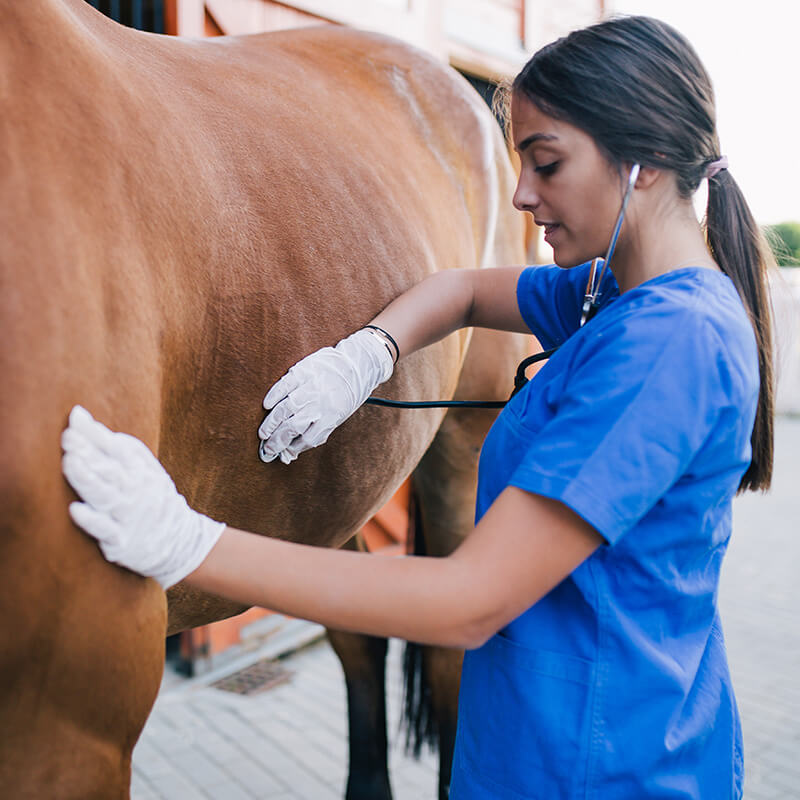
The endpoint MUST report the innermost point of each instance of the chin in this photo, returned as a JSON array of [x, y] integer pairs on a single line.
[[565, 261]]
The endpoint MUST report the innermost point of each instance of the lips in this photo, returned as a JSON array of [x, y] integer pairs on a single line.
[[549, 228]]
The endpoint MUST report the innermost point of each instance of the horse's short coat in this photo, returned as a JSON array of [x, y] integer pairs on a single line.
[[180, 221]]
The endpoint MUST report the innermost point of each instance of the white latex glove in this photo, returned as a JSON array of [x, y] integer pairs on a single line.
[[130, 504], [320, 392]]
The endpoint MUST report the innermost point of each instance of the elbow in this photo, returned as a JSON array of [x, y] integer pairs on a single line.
[[479, 637], [472, 634], [474, 642], [466, 611], [474, 617], [469, 277]]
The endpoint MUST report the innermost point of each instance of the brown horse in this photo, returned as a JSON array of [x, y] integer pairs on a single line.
[[181, 221]]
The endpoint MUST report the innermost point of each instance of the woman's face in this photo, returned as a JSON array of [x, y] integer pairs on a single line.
[[565, 181]]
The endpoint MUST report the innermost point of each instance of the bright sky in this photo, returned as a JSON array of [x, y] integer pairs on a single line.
[[750, 49]]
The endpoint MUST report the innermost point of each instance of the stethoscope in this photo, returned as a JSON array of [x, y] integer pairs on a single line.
[[591, 300], [591, 304]]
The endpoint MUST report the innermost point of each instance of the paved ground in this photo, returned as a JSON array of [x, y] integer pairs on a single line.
[[289, 743], [760, 601]]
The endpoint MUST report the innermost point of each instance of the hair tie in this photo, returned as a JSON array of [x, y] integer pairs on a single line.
[[716, 166]]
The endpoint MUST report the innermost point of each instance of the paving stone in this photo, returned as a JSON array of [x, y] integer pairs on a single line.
[[218, 748], [230, 790], [255, 778], [141, 788], [203, 770], [177, 787]]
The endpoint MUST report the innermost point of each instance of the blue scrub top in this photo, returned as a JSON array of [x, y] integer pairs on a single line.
[[616, 683]]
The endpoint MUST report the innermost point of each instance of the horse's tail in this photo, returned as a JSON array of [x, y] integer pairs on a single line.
[[419, 718]]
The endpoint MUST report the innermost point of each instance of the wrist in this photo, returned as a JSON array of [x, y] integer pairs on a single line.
[[201, 574], [387, 339], [192, 543], [371, 358]]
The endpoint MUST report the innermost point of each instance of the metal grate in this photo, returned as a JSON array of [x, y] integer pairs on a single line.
[[259, 677], [145, 15]]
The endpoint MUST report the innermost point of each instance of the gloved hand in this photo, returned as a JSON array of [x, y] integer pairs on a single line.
[[320, 392], [130, 504]]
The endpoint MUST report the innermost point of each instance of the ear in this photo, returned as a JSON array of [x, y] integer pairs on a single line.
[[647, 177]]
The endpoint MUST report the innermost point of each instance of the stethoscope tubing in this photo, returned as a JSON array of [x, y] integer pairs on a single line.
[[519, 381]]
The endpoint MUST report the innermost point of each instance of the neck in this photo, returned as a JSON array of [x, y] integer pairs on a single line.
[[653, 244]]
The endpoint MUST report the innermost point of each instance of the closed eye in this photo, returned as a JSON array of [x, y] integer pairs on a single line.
[[547, 169]]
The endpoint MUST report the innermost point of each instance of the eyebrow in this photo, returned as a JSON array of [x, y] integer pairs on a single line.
[[535, 137]]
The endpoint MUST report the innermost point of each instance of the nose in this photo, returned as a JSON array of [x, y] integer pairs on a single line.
[[525, 197]]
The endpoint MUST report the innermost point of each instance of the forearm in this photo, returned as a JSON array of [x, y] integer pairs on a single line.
[[429, 311], [419, 599], [453, 299]]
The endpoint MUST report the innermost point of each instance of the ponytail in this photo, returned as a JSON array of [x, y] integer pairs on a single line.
[[742, 253], [638, 88]]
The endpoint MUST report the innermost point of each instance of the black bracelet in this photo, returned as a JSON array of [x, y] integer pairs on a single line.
[[389, 337]]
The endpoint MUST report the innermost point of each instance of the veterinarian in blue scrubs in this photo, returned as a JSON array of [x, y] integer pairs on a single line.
[[587, 594], [616, 681]]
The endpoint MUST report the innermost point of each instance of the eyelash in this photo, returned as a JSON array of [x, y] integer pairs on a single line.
[[547, 169]]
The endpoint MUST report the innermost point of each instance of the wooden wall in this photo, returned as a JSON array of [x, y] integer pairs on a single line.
[[487, 38]]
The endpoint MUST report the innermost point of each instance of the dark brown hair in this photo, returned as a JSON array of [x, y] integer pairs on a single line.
[[638, 88]]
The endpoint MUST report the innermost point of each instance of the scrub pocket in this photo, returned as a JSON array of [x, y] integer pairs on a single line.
[[524, 722]]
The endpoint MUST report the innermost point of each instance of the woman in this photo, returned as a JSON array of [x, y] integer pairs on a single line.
[[586, 595]]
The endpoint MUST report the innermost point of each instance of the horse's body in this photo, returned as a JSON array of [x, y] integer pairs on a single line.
[[180, 222]]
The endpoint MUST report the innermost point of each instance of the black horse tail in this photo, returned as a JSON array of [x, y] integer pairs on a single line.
[[419, 718]]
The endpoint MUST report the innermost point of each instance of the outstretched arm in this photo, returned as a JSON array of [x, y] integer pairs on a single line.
[[524, 545]]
